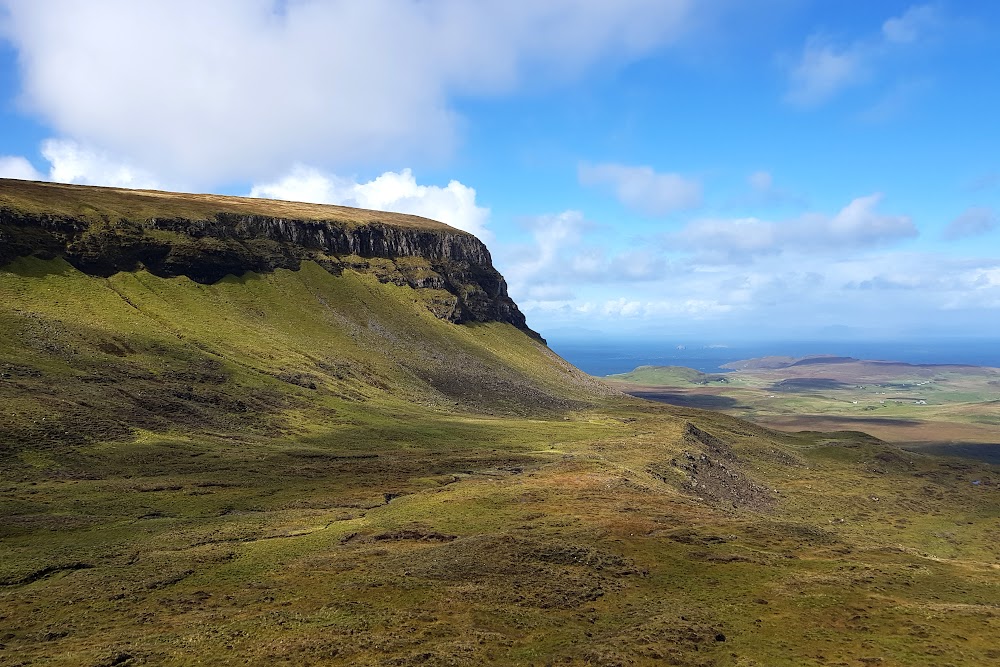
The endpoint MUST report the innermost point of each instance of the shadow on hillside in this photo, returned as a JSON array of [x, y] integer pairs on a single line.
[[808, 384], [885, 421], [37, 266], [705, 401], [987, 452]]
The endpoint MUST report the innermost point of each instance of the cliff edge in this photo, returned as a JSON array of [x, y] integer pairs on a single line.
[[104, 231]]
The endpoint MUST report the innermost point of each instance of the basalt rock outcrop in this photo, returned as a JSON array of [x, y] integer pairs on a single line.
[[103, 231]]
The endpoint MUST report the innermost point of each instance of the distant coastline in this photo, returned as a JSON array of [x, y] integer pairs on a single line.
[[607, 356]]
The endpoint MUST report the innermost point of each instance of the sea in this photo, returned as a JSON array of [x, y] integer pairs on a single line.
[[608, 356]]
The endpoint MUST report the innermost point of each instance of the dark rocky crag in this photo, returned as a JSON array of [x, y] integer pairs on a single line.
[[227, 236]]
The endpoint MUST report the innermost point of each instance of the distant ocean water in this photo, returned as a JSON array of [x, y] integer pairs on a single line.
[[604, 357]]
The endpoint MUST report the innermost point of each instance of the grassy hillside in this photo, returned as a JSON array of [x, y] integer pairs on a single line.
[[302, 468]]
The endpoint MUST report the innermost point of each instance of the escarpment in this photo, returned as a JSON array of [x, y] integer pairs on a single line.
[[103, 231]]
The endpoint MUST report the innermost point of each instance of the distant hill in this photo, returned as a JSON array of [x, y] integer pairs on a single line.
[[760, 362], [775, 363]]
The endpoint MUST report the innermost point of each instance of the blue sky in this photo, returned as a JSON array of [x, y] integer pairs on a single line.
[[711, 170]]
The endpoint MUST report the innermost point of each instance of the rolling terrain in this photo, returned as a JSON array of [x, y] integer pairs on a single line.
[[343, 452], [928, 407]]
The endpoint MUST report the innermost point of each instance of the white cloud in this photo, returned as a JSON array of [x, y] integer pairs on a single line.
[[909, 27], [730, 238], [745, 270], [985, 278], [532, 269], [823, 71], [857, 225], [69, 162], [643, 189], [695, 308], [974, 221], [793, 294], [13, 166], [72, 163], [925, 283], [622, 308], [567, 256], [547, 293], [238, 89], [454, 204]]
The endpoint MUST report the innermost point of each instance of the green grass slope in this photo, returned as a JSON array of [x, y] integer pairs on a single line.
[[308, 469]]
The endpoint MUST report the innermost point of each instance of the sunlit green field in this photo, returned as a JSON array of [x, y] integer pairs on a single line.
[[298, 468]]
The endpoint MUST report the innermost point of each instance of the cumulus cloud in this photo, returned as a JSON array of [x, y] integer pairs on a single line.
[[857, 225], [566, 254], [453, 204], [70, 162], [922, 281], [15, 166], [643, 189], [878, 290], [236, 89], [974, 221], [553, 235], [747, 270]]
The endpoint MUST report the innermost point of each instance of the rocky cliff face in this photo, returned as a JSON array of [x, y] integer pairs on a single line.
[[453, 264]]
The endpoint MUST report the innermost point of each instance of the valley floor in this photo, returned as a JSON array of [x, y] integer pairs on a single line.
[[931, 408]]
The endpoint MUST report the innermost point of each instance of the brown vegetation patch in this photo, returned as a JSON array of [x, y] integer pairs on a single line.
[[714, 474], [681, 639], [413, 535], [546, 574]]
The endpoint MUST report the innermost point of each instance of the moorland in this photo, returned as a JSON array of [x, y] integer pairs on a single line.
[[365, 458]]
